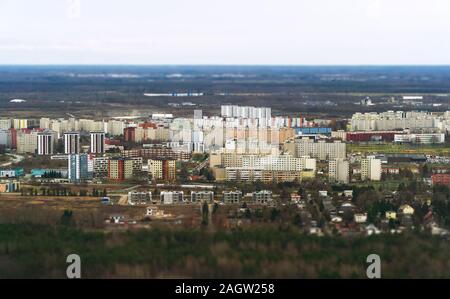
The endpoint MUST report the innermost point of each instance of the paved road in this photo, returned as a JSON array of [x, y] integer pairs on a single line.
[[202, 165], [16, 159]]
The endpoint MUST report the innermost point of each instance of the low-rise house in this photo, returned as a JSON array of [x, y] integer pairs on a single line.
[[346, 207], [323, 193], [347, 193], [360, 217], [154, 212], [295, 197], [328, 205], [391, 215], [372, 230], [406, 221], [336, 219], [406, 210]]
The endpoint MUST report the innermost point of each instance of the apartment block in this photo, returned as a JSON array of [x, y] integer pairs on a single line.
[[80, 167], [321, 150], [27, 141], [232, 197], [162, 169], [371, 169], [120, 169], [262, 197], [339, 171], [171, 197], [45, 143], [202, 196], [139, 198]]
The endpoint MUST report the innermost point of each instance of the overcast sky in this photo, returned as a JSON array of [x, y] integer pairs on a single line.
[[225, 32]]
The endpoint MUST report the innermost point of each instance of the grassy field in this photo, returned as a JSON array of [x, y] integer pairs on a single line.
[[391, 185], [441, 150]]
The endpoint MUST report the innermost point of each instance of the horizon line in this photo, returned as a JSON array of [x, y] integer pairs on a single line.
[[223, 65]]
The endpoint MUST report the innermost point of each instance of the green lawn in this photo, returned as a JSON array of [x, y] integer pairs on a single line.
[[443, 150]]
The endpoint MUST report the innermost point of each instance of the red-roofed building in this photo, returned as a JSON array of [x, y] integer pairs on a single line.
[[441, 179]]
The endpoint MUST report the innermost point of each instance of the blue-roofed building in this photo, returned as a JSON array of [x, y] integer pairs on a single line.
[[56, 173], [12, 173], [313, 131]]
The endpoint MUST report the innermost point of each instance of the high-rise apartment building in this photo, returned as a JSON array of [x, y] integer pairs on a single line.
[[339, 170], [97, 142], [371, 169], [120, 169], [162, 169], [80, 167], [20, 124], [45, 143], [5, 123], [101, 167], [321, 149], [72, 143], [5, 138], [26, 141]]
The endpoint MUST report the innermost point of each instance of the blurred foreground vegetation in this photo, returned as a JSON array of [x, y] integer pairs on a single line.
[[40, 251]]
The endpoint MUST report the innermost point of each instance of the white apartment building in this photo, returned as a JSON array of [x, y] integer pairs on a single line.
[[5, 123], [371, 169], [320, 150], [171, 197], [267, 162], [202, 196], [139, 198], [234, 111], [72, 143], [394, 120], [5, 138], [45, 142], [97, 142], [339, 170], [27, 141], [425, 138], [115, 127]]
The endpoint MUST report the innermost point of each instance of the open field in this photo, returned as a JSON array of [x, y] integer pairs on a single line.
[[91, 91], [440, 150], [88, 212]]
